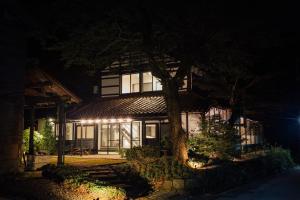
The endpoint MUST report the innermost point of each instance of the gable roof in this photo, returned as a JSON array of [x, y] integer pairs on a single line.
[[135, 106], [41, 89]]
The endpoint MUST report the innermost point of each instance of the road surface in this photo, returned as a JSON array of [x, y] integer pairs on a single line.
[[282, 187]]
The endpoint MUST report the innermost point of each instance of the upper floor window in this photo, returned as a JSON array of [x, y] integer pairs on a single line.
[[130, 83], [150, 83]]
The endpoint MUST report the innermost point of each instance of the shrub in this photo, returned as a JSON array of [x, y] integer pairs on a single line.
[[140, 153], [279, 159], [161, 168], [37, 138], [49, 141], [44, 140], [217, 140]]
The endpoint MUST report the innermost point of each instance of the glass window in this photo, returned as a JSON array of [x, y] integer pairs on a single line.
[[69, 131], [147, 81], [151, 83], [87, 132], [135, 83], [156, 84], [104, 135], [150, 131], [130, 83], [114, 135], [135, 130], [125, 135], [125, 84]]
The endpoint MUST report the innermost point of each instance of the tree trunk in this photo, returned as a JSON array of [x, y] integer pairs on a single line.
[[178, 135], [12, 65]]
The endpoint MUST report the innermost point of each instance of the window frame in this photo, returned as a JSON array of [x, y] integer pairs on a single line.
[[130, 81], [156, 131]]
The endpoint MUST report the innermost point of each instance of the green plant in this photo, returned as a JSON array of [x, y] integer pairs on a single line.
[[217, 141], [49, 141], [37, 138], [279, 159], [140, 153]]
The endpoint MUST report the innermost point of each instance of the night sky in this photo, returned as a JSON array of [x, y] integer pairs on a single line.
[[269, 30]]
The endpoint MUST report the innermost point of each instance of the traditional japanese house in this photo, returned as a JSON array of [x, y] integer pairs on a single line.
[[130, 110]]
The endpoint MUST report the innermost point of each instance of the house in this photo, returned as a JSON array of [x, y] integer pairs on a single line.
[[129, 110]]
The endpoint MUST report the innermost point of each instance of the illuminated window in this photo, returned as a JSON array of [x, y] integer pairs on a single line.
[[87, 132], [130, 83], [151, 83], [150, 131]]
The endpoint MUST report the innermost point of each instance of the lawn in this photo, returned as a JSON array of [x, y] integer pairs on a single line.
[[79, 161]]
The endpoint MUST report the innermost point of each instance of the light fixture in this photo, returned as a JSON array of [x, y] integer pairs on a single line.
[[97, 121], [90, 121], [112, 120], [120, 120], [50, 119], [83, 121], [104, 120]]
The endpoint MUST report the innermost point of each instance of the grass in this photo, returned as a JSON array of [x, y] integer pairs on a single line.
[[84, 161]]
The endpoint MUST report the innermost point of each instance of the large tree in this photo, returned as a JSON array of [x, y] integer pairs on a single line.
[[99, 34]]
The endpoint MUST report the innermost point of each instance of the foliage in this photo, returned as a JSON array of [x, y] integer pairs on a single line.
[[217, 140], [139, 153], [44, 140], [232, 174], [76, 178], [37, 137], [279, 159], [49, 141]]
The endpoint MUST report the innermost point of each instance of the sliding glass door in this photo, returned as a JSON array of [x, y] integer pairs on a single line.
[[120, 135]]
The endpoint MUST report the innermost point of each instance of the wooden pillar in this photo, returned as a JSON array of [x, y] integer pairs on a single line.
[[61, 129], [30, 156], [81, 135]]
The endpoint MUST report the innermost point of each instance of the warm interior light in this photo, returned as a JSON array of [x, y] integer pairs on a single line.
[[112, 120], [97, 121], [120, 120], [90, 121], [128, 120], [50, 119], [83, 121], [104, 120]]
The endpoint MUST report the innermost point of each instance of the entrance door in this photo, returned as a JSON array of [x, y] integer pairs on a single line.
[[110, 136]]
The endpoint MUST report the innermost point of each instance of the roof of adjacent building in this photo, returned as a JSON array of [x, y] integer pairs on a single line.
[[135, 106], [41, 89]]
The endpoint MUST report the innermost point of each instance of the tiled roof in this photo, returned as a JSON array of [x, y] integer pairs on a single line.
[[134, 106]]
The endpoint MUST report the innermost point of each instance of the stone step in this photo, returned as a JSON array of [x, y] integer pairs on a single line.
[[101, 172], [102, 176]]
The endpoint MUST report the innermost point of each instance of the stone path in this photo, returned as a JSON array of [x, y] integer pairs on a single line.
[[115, 176]]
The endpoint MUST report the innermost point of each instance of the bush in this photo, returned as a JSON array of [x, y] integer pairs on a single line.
[[44, 140], [140, 153], [217, 141], [37, 138], [279, 159], [161, 168]]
